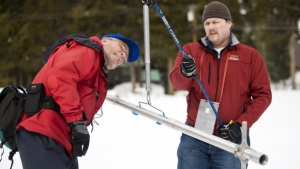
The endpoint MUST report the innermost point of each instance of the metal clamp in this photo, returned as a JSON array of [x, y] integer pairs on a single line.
[[244, 152], [244, 145], [148, 2]]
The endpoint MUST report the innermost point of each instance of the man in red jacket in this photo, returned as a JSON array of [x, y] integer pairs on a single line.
[[74, 77], [236, 80]]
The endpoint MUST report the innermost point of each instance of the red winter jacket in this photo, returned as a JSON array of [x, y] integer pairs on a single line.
[[246, 92], [74, 77]]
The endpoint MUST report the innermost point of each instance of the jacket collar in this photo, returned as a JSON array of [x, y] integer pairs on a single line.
[[207, 44], [232, 41]]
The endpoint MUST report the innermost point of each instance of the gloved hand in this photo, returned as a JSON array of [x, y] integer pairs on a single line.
[[231, 131], [188, 66], [80, 137]]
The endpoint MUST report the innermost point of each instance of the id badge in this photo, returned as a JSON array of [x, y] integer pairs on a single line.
[[206, 117]]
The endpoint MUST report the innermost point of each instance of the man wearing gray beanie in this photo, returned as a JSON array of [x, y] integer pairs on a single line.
[[235, 78]]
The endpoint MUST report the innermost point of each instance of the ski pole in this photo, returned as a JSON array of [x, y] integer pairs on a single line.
[[153, 2]]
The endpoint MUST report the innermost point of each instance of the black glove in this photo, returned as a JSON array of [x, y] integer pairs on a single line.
[[80, 137], [230, 132], [188, 66]]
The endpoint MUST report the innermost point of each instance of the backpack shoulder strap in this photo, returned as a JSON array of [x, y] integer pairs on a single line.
[[87, 42], [80, 38]]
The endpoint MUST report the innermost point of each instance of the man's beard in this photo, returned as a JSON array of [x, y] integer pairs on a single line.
[[112, 65]]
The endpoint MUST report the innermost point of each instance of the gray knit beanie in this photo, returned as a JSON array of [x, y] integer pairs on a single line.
[[216, 9]]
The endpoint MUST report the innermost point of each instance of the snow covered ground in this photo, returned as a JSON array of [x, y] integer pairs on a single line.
[[123, 140]]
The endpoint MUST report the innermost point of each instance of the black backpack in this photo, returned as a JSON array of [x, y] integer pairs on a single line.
[[12, 99]]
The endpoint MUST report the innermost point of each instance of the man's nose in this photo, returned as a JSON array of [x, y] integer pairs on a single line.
[[211, 26]]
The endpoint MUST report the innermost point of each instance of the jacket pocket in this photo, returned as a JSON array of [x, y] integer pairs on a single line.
[[208, 75], [246, 103], [87, 99]]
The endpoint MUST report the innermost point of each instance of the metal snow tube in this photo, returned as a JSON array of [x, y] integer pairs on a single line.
[[147, 46], [243, 152]]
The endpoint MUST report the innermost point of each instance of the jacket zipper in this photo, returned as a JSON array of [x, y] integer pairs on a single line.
[[209, 67], [218, 69]]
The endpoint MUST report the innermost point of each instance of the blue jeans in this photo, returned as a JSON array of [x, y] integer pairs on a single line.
[[40, 152], [196, 154]]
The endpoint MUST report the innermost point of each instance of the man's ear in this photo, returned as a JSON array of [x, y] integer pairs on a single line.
[[104, 39]]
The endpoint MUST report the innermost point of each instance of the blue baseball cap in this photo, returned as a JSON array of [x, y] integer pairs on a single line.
[[134, 50]]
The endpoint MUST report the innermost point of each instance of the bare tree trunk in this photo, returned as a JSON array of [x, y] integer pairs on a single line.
[[292, 52], [132, 77], [15, 81], [170, 86], [20, 79], [29, 78], [195, 38]]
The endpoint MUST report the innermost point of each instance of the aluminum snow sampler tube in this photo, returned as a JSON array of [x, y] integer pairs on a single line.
[[242, 151]]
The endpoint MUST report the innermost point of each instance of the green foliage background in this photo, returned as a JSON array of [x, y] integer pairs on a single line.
[[29, 27]]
